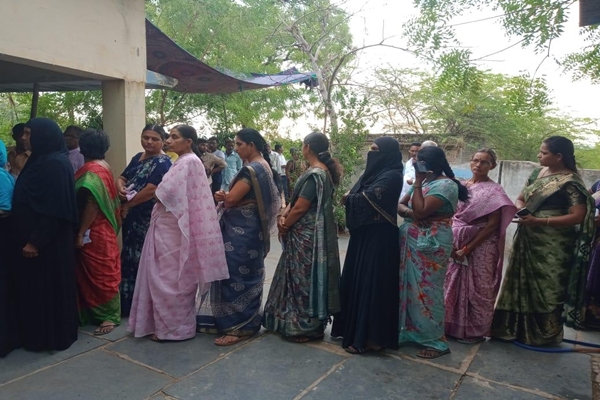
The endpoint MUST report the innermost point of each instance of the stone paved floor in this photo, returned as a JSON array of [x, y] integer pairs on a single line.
[[118, 366]]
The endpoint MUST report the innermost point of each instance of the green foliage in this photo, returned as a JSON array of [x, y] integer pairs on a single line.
[[535, 22], [473, 108]]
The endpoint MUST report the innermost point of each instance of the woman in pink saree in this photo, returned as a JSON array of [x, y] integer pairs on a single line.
[[475, 270], [183, 251]]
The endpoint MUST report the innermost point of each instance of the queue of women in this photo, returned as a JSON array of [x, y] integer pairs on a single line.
[[188, 266]]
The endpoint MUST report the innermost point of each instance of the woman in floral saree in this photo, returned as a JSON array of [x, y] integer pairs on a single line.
[[98, 269], [425, 247], [232, 307], [136, 186], [549, 260], [305, 289], [475, 270]]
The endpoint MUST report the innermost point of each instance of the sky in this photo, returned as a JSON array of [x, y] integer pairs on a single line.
[[375, 19]]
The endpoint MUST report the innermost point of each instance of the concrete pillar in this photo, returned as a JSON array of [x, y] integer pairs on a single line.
[[123, 117]]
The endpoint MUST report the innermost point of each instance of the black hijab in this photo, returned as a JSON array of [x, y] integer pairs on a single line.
[[387, 158], [46, 183]]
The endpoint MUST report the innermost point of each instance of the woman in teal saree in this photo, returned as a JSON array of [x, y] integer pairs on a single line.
[[549, 259], [305, 289], [425, 248]]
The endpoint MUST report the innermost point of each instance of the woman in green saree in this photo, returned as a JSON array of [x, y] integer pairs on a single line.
[[549, 259], [305, 288]]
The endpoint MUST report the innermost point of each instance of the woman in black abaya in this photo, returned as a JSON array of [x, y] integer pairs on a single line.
[[369, 284], [44, 214]]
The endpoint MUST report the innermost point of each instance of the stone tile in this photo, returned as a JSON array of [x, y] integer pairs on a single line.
[[118, 333], [175, 358], [588, 336], [472, 388], [566, 375], [380, 376], [21, 362], [270, 368], [96, 375], [458, 353]]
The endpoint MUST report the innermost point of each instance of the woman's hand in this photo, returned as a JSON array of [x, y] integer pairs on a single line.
[[283, 229], [530, 220], [125, 210], [455, 256], [122, 192], [220, 195], [30, 251], [419, 178], [79, 241]]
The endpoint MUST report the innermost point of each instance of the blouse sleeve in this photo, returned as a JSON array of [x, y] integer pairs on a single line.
[[309, 190], [574, 196], [162, 166], [244, 176], [130, 169]]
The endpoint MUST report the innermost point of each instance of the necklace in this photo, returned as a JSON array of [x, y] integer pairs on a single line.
[[545, 173]]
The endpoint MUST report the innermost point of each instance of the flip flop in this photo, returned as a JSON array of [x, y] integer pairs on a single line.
[[433, 353], [231, 343], [471, 340], [99, 331]]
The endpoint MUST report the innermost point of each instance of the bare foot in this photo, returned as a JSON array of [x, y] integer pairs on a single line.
[[105, 328]]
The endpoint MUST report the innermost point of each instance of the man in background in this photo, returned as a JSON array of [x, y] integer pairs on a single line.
[[217, 178], [409, 168], [282, 174], [71, 135], [212, 163], [234, 164], [18, 154]]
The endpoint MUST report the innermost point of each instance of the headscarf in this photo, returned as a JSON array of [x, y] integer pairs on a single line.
[[7, 182], [387, 158], [46, 183]]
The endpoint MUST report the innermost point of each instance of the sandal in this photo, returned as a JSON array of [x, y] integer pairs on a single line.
[[304, 339], [430, 353], [223, 341], [104, 329], [474, 340], [155, 338], [358, 350]]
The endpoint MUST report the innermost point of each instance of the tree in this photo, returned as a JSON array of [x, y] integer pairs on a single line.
[[535, 22], [511, 114]]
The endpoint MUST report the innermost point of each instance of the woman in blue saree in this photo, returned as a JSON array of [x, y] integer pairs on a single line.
[[249, 210], [425, 248], [136, 186], [305, 289]]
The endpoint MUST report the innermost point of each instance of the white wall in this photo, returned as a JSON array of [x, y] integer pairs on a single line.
[[95, 37]]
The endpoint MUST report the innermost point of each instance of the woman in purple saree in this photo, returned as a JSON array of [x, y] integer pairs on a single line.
[[475, 270]]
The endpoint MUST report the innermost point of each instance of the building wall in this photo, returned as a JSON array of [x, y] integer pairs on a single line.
[[95, 38]]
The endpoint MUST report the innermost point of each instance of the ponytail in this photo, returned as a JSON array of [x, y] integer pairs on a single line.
[[319, 145], [333, 166], [463, 192], [266, 155], [196, 150]]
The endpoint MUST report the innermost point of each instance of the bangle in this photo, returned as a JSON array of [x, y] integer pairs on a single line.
[[466, 250], [417, 187]]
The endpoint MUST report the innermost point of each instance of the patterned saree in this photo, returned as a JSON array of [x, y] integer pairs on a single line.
[[548, 265], [98, 267]]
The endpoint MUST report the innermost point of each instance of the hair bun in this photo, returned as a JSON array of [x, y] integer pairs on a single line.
[[324, 154]]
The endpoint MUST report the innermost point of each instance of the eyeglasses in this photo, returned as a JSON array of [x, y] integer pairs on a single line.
[[478, 161]]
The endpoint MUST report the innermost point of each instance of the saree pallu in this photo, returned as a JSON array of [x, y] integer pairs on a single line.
[[98, 269], [232, 306], [547, 268], [422, 274], [592, 300], [470, 289], [305, 288]]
